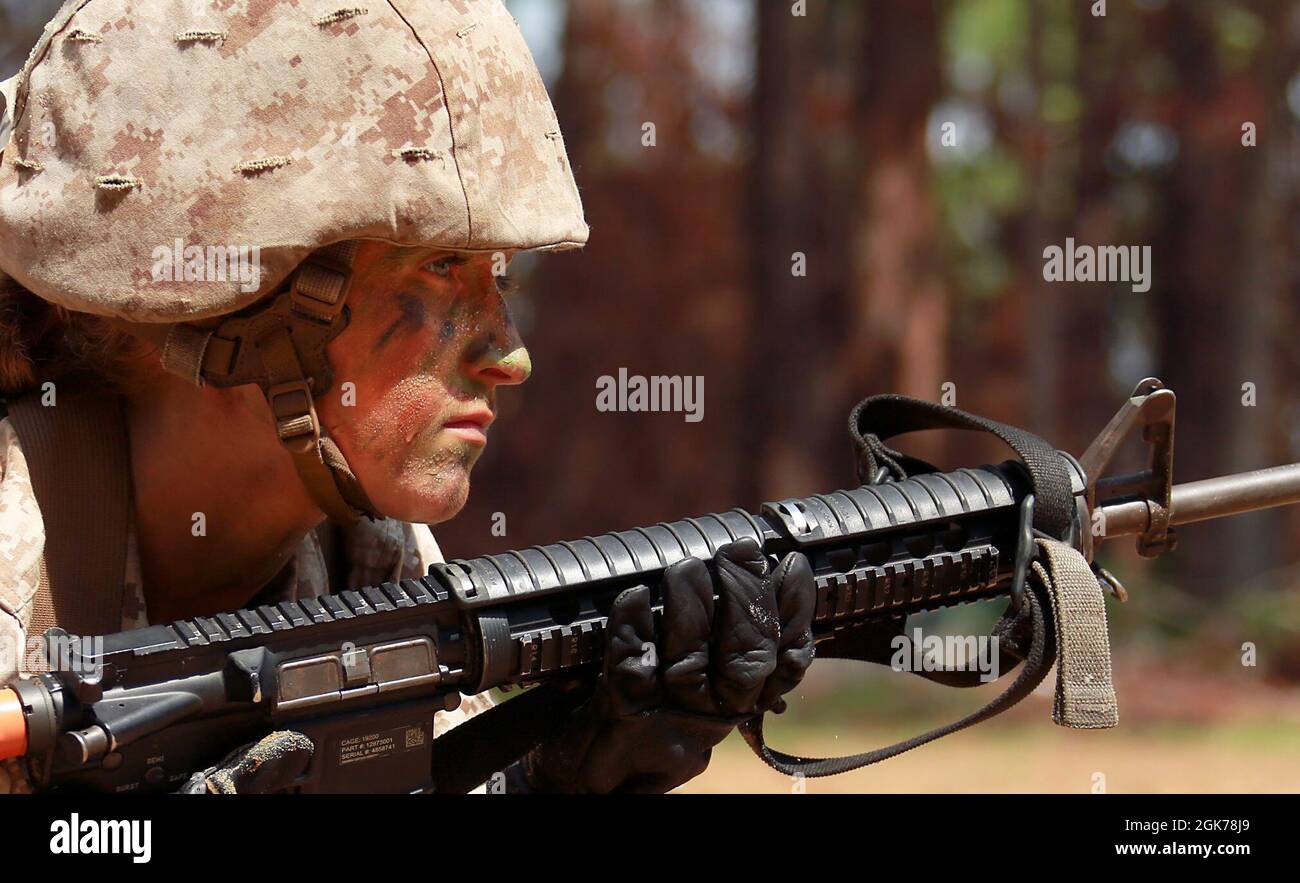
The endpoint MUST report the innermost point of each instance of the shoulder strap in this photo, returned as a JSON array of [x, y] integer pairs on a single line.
[[76, 451]]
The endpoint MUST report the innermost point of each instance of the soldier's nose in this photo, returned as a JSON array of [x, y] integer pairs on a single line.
[[498, 368]]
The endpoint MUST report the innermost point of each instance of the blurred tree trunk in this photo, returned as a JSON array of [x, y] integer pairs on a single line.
[[1213, 291], [1267, 288], [800, 219], [1284, 187], [1054, 176], [898, 324], [1087, 395]]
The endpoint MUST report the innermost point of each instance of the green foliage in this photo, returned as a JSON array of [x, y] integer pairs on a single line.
[[996, 29], [975, 199], [1062, 104], [1239, 33]]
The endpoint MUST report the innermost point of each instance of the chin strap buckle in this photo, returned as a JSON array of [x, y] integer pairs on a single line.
[[296, 422], [298, 427]]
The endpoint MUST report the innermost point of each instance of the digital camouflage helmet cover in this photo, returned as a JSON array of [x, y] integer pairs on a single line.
[[295, 127]]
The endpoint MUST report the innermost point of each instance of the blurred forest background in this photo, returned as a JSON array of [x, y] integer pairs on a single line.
[[1173, 124]]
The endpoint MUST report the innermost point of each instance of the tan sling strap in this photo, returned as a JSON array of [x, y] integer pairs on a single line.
[[1085, 695], [76, 451]]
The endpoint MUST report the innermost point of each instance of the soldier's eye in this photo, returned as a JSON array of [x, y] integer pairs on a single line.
[[441, 267]]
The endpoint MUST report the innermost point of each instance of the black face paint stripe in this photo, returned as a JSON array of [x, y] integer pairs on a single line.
[[413, 314]]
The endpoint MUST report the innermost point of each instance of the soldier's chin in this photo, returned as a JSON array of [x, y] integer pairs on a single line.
[[442, 496]]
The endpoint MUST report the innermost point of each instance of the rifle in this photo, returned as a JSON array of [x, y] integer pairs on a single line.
[[363, 672]]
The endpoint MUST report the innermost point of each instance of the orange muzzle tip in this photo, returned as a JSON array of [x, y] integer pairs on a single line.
[[13, 726]]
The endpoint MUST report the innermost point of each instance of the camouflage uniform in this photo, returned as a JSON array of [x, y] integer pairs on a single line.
[[375, 552]]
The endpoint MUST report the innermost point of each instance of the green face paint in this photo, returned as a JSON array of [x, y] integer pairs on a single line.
[[518, 359]]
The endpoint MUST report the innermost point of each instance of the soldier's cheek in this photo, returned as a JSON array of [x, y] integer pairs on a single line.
[[392, 386]]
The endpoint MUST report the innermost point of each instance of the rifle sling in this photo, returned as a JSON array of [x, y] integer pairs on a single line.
[[1039, 656], [1064, 609], [1085, 695], [884, 416], [1062, 621]]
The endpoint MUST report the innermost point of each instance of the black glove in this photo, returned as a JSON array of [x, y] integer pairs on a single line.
[[266, 766], [666, 696]]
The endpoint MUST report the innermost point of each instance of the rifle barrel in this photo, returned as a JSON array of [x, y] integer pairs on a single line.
[[1211, 498]]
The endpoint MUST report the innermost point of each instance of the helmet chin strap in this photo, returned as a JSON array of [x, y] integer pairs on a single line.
[[279, 344]]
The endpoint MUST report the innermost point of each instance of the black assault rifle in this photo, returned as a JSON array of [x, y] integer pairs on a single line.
[[363, 672]]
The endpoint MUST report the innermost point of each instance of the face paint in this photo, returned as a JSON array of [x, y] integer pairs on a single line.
[[426, 351], [413, 315], [518, 360]]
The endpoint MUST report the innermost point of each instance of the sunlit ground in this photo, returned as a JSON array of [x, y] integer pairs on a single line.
[[1039, 759], [1178, 733]]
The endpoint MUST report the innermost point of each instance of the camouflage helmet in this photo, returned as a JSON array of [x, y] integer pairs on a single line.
[[282, 124], [147, 134]]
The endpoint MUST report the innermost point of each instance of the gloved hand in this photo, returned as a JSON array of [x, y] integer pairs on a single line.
[[268, 765], [667, 695]]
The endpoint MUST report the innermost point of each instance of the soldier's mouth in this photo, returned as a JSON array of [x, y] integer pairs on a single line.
[[468, 431], [472, 426]]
